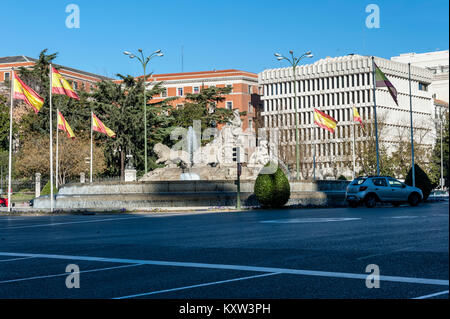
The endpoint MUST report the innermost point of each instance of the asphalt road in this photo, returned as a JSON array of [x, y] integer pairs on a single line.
[[296, 253]]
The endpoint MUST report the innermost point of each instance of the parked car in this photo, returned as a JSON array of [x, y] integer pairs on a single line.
[[3, 202], [438, 195], [372, 189]]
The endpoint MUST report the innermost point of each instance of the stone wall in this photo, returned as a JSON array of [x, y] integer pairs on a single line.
[[157, 194]]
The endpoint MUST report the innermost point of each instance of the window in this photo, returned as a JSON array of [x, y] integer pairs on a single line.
[[180, 91], [229, 105], [164, 93], [250, 123], [75, 85], [250, 107], [423, 86], [379, 182], [196, 89], [395, 183], [231, 87], [7, 76]]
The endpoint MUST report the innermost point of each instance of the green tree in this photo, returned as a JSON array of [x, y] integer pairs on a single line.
[[119, 105], [435, 174]]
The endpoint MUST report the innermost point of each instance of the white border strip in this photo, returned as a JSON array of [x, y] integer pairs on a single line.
[[425, 281]]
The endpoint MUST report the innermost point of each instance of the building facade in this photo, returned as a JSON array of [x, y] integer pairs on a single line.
[[243, 97], [80, 80], [438, 63], [334, 86]]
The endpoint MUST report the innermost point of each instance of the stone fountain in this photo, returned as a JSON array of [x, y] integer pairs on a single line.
[[213, 161]]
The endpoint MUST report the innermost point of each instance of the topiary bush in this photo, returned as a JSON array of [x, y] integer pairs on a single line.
[[422, 181], [46, 189], [272, 190], [342, 178]]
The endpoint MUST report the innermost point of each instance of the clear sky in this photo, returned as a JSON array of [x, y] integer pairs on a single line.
[[217, 34]]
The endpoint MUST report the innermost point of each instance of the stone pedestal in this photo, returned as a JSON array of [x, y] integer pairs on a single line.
[[130, 175], [38, 185], [82, 178]]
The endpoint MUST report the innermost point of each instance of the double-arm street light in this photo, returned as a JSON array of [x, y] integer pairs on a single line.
[[144, 61], [294, 62]]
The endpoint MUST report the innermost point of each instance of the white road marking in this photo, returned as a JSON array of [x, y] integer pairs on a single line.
[[308, 220], [400, 217], [432, 295], [385, 253], [14, 259], [426, 281], [195, 286], [65, 274], [68, 223]]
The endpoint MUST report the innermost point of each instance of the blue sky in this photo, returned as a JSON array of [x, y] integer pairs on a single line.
[[217, 34]]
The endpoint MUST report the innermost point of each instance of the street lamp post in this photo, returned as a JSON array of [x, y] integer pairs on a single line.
[[144, 61], [294, 62]]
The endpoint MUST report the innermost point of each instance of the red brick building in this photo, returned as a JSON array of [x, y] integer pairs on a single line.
[[79, 79], [244, 95]]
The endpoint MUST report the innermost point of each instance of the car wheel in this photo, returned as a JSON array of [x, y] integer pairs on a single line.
[[353, 204], [413, 199], [370, 201]]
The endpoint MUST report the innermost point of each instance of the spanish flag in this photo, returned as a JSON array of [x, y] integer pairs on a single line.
[[356, 116], [64, 126], [61, 86], [98, 126], [24, 92], [324, 121]]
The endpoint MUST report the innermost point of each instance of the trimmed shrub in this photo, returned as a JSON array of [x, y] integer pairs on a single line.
[[46, 189], [422, 181], [342, 178], [272, 190]]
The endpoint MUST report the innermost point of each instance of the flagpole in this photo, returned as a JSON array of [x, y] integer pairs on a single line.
[[314, 157], [57, 150], [353, 149], [375, 114], [10, 138], [90, 162], [51, 140], [412, 134]]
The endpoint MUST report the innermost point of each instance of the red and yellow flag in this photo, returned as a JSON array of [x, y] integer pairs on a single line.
[[61, 86], [356, 117], [98, 126], [24, 92], [64, 126], [324, 121]]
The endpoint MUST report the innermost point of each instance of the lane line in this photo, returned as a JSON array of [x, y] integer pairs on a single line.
[[68, 223], [433, 295], [195, 286], [426, 281], [309, 220], [66, 273], [14, 259], [385, 253]]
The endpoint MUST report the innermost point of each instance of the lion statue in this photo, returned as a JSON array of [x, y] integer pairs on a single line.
[[170, 157]]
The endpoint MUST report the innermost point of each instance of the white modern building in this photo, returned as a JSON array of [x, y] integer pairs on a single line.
[[334, 85], [438, 63]]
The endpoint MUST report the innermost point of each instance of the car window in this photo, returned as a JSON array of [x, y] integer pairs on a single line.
[[395, 183], [379, 182], [359, 181]]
